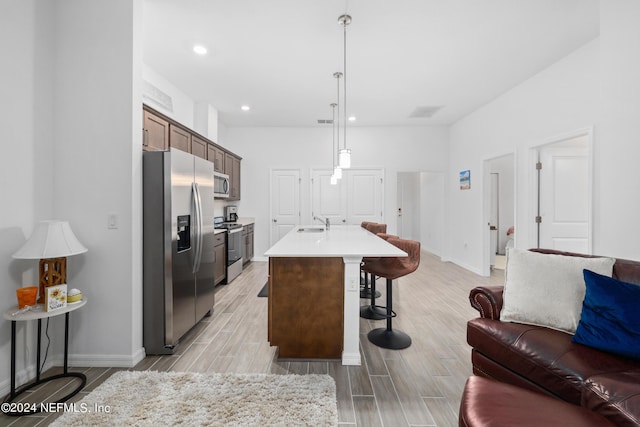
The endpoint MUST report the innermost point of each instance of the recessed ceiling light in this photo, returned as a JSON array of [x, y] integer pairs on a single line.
[[245, 108], [199, 49], [352, 118]]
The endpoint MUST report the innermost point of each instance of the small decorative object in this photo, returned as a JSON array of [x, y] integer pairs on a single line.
[[51, 242], [27, 296], [74, 295], [465, 180], [55, 297]]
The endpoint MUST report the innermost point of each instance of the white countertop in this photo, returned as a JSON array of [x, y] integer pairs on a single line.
[[338, 241], [246, 220]]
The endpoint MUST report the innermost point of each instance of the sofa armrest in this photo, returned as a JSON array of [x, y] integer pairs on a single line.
[[487, 300]]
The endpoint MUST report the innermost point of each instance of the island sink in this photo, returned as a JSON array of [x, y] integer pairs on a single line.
[[310, 230]]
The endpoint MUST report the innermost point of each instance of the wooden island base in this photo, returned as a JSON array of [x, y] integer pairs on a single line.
[[306, 306]]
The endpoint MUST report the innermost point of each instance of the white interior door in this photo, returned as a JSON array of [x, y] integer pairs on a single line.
[[328, 201], [431, 211], [357, 197], [565, 197], [285, 202], [494, 219], [364, 195]]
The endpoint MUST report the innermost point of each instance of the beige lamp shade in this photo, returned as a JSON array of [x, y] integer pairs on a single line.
[[50, 239]]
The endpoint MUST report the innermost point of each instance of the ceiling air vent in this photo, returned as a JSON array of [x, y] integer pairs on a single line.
[[155, 95], [425, 111], [325, 122]]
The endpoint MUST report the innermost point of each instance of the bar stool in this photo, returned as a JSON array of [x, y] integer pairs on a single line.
[[393, 268], [372, 311], [375, 228], [363, 280]]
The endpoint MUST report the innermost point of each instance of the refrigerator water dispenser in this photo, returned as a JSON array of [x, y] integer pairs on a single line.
[[184, 233]]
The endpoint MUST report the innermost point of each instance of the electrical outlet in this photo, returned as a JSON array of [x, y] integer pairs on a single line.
[[354, 284]]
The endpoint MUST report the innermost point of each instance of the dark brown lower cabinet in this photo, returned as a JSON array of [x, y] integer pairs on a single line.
[[306, 304], [220, 260], [247, 238]]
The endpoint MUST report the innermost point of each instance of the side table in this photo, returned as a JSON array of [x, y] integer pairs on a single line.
[[39, 315]]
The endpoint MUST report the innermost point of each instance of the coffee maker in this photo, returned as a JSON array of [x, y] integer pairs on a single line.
[[230, 213]]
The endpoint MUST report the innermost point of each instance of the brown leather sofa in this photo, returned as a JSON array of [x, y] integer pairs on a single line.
[[545, 360]]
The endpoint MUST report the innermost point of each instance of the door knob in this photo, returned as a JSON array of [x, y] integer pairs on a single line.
[[275, 220]]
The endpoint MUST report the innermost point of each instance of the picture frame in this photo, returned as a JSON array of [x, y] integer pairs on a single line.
[[55, 297], [465, 180]]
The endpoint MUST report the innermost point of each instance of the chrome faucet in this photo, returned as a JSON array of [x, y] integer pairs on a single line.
[[327, 224]]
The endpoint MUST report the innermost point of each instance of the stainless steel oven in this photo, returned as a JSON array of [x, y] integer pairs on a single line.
[[234, 252], [235, 246]]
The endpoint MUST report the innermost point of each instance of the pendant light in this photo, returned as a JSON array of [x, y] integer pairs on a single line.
[[337, 170], [334, 176], [344, 156]]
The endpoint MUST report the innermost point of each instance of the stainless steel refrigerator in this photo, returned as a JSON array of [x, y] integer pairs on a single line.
[[178, 246]]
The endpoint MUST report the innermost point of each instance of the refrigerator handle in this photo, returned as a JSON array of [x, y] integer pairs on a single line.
[[198, 226]]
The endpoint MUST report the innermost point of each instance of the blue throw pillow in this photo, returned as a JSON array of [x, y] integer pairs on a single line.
[[610, 318]]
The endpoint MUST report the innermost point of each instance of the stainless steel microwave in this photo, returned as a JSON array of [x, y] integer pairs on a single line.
[[220, 185]]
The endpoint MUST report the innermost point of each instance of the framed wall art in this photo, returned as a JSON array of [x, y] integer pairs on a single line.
[[465, 180]]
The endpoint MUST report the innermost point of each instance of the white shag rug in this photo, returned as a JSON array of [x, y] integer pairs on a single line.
[[148, 398]]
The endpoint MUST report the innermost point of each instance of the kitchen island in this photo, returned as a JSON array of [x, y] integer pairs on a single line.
[[314, 290]]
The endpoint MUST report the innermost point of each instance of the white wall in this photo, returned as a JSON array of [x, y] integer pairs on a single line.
[[26, 184], [559, 99], [183, 107], [432, 211], [617, 145], [73, 119], [97, 138], [394, 149]]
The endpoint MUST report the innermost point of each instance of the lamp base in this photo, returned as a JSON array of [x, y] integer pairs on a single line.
[[53, 271]]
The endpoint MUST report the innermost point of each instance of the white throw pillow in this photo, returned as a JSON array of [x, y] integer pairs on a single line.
[[547, 289]]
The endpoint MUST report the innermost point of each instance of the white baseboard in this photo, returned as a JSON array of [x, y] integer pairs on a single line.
[[107, 360], [351, 359], [28, 374], [467, 267]]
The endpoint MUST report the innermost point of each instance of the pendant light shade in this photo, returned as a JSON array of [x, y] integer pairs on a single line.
[[337, 172], [344, 156], [334, 176]]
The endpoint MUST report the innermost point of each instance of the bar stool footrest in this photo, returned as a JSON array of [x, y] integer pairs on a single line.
[[373, 312], [383, 310], [366, 293]]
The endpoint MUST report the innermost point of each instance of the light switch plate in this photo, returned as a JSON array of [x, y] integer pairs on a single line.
[[112, 221]]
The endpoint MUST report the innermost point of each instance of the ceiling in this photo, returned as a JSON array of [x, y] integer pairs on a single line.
[[279, 56]]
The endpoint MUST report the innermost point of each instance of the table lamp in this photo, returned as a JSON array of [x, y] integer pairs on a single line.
[[51, 242]]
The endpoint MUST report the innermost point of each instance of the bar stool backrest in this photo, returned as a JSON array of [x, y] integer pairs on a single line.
[[386, 236], [376, 228], [412, 248]]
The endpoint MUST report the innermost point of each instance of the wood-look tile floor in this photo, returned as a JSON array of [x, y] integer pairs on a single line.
[[417, 386]]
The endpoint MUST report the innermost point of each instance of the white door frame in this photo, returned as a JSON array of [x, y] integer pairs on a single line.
[[532, 211], [486, 206], [271, 219]]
